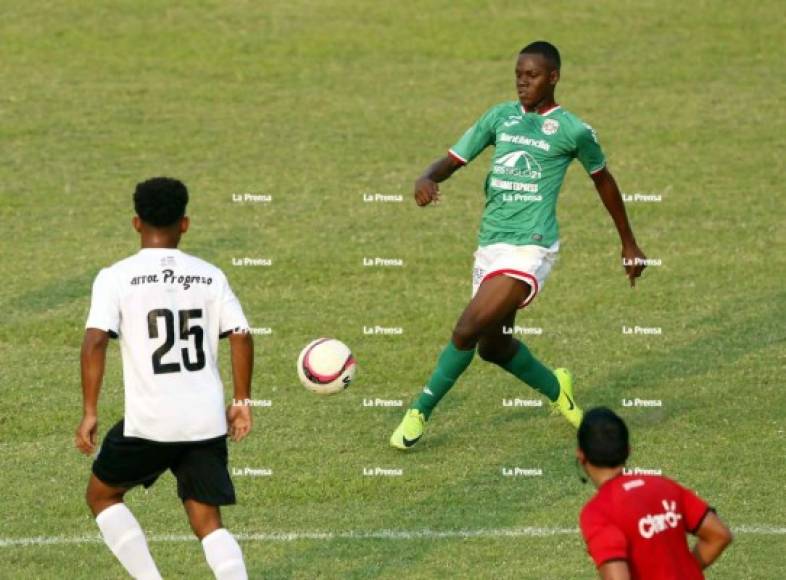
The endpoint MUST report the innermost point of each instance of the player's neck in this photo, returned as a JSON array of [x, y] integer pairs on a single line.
[[160, 241], [600, 475], [542, 106]]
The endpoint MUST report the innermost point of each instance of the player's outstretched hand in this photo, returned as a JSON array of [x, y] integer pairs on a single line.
[[426, 191], [239, 419], [634, 262], [85, 436]]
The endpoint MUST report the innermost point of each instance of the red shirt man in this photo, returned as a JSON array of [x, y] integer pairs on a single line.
[[636, 526]]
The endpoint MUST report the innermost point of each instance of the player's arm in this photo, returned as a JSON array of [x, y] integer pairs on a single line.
[[426, 186], [93, 361], [471, 144], [614, 570], [611, 197], [241, 346], [714, 536]]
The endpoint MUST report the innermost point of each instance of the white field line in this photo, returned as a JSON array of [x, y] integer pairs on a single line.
[[527, 532]]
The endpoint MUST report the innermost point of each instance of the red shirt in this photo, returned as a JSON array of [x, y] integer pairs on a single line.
[[643, 519]]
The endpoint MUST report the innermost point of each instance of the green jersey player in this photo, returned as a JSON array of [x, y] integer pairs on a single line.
[[534, 141]]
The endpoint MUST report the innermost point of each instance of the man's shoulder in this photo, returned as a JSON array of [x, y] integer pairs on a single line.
[[197, 262], [574, 124], [593, 509]]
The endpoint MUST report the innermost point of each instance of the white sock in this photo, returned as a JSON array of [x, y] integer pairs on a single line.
[[223, 555], [127, 541]]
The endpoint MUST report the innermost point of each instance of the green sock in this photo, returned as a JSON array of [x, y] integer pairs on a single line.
[[451, 363], [533, 372]]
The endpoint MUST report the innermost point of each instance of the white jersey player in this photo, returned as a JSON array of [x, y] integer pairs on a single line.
[[168, 309]]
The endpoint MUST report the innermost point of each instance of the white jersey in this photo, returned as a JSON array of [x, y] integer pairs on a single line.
[[168, 309]]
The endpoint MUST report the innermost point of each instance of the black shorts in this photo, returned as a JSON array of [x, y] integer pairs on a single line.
[[200, 467]]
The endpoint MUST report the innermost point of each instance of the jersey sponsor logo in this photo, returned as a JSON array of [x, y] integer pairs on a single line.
[[513, 185], [168, 276], [518, 164], [653, 524], [524, 140], [550, 126], [633, 484]]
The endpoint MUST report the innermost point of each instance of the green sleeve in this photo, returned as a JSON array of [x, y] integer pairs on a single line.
[[588, 150], [476, 138]]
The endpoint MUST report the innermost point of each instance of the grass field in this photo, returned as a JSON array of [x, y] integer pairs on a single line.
[[315, 104]]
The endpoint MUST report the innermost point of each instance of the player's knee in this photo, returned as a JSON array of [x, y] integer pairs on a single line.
[[465, 335], [204, 528], [497, 352], [90, 498], [204, 522], [98, 499]]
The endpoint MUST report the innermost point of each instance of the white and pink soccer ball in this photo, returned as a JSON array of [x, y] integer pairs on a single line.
[[326, 366]]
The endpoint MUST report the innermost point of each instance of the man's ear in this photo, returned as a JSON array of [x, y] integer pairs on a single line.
[[184, 223], [137, 223], [554, 77], [581, 456]]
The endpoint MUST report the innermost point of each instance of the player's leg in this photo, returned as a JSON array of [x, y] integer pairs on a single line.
[[119, 528], [514, 356], [222, 552], [532, 264], [502, 349], [123, 463], [203, 518], [100, 496], [493, 303], [203, 484]]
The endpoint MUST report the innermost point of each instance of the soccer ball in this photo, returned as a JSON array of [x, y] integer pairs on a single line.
[[326, 366]]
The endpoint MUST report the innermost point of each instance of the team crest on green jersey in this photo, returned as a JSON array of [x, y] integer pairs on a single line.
[[550, 126]]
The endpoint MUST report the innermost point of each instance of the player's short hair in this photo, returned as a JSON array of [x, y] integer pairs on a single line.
[[603, 437], [160, 201], [546, 50]]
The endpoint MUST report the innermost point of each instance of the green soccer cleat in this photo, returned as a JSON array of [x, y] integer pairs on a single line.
[[409, 431], [565, 403]]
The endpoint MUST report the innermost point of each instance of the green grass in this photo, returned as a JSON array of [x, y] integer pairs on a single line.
[[316, 103]]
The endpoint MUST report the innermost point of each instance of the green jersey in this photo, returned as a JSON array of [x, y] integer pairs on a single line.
[[532, 152]]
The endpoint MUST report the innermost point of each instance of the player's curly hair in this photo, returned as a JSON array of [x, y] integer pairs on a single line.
[[160, 201], [546, 50], [603, 437]]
